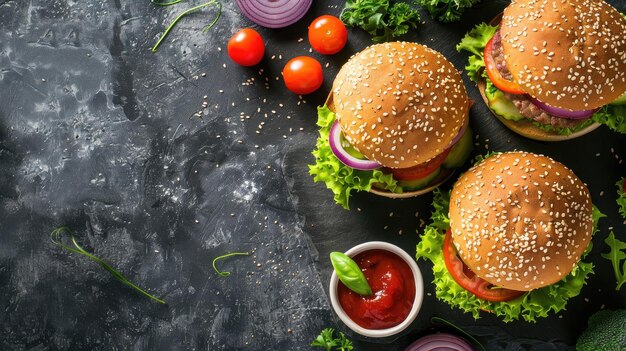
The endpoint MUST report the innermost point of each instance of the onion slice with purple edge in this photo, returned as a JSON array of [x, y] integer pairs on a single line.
[[274, 13], [562, 112], [460, 134], [440, 341], [334, 139]]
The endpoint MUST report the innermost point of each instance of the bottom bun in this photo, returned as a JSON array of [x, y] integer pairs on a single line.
[[527, 129], [445, 175]]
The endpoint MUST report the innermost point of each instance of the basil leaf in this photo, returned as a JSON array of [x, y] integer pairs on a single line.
[[350, 274]]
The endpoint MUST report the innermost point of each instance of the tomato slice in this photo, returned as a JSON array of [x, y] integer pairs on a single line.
[[422, 170], [469, 281], [495, 76]]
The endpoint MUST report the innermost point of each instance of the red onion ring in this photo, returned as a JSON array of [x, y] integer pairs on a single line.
[[562, 112], [441, 341], [274, 13], [460, 134], [334, 139]]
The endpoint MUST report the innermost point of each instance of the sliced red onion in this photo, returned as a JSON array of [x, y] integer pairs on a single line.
[[460, 134], [334, 140], [440, 341], [274, 13], [562, 112]]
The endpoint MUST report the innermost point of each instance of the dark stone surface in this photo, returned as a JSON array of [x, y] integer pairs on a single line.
[[98, 133]]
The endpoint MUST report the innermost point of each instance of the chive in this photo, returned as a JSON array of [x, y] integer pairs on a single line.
[[159, 3], [55, 237], [226, 274], [469, 336], [195, 8]]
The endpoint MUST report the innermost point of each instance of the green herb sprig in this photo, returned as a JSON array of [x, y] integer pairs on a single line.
[[616, 255], [55, 237], [447, 10], [185, 13], [621, 196], [165, 3], [222, 273], [328, 342], [379, 18], [350, 273]]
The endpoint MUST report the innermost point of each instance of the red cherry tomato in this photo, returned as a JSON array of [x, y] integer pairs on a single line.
[[421, 170], [246, 47], [327, 35], [303, 75], [469, 281]]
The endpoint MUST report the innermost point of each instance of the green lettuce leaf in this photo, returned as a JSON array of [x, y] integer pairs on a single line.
[[382, 19], [339, 178], [530, 306], [621, 197], [613, 116], [475, 42]]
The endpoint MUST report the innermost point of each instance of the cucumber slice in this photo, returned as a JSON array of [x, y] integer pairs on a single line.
[[461, 151], [499, 104], [351, 150], [416, 184], [620, 100]]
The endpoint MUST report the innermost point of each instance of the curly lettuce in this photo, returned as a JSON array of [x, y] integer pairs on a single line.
[[474, 42], [339, 178], [613, 116], [530, 306]]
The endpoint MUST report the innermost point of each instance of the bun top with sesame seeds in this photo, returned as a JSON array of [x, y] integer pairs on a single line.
[[566, 53], [400, 104], [520, 221]]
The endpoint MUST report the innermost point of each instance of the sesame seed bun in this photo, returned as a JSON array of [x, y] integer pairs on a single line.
[[400, 104], [520, 221], [567, 53], [443, 176], [527, 129]]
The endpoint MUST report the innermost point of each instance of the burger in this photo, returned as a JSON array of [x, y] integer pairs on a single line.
[[509, 237], [552, 69], [395, 123]]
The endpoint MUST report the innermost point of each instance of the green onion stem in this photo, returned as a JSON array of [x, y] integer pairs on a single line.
[[55, 237], [195, 8], [226, 274], [469, 336], [159, 3]]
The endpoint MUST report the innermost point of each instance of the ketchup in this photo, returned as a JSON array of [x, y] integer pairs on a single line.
[[393, 287]]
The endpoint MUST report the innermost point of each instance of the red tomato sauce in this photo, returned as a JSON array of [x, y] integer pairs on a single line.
[[393, 285]]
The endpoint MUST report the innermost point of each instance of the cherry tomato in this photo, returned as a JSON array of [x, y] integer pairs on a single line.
[[327, 35], [246, 47], [469, 281], [303, 75], [421, 170], [495, 76]]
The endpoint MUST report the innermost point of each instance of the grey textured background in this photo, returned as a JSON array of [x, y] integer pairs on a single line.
[[98, 133]]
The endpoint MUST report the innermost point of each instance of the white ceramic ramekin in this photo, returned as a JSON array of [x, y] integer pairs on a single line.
[[417, 303]]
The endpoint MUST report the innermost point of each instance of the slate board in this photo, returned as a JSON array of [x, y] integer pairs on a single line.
[[98, 133]]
